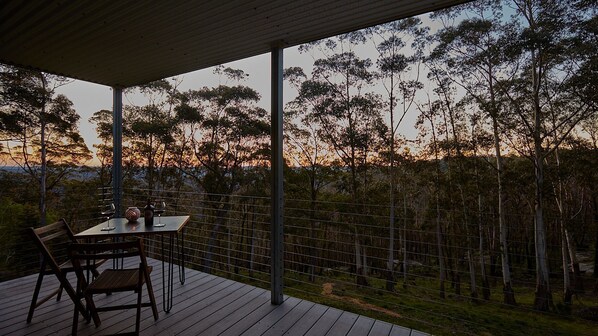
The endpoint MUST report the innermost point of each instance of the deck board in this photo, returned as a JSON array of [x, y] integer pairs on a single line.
[[229, 308], [362, 326], [287, 322], [325, 322], [204, 305], [343, 325], [400, 331], [380, 328], [261, 303], [307, 321], [264, 323]]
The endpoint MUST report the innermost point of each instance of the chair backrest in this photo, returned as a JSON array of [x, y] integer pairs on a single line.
[[45, 237], [49, 239], [88, 252]]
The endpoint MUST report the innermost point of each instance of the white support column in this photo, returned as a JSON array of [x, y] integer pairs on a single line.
[[117, 142], [276, 225]]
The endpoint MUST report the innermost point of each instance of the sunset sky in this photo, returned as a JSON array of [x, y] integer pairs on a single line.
[[89, 97]]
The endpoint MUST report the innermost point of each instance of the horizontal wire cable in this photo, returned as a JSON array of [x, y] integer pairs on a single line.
[[244, 232]]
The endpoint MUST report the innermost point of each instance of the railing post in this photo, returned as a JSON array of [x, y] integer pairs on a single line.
[[276, 224], [117, 142]]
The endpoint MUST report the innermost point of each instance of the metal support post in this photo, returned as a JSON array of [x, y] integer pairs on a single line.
[[276, 225], [117, 142]]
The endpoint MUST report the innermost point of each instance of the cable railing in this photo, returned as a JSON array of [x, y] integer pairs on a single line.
[[338, 254], [320, 250]]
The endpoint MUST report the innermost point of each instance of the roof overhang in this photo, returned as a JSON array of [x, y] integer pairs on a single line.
[[128, 42]]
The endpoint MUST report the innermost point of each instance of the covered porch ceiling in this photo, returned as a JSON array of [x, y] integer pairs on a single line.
[[130, 42]]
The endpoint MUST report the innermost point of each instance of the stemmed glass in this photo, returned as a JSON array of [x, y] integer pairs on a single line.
[[108, 212], [159, 210]]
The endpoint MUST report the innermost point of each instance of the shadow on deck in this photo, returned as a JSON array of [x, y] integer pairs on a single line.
[[204, 305]]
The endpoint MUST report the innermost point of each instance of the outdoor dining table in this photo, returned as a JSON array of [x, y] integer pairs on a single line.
[[173, 226]]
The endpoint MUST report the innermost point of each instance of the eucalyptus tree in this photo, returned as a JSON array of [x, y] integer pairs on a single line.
[[429, 114], [149, 129], [103, 122], [543, 50], [399, 45], [481, 141], [228, 135], [584, 85], [39, 129], [449, 125], [306, 151], [348, 116], [580, 87], [590, 129], [472, 52]]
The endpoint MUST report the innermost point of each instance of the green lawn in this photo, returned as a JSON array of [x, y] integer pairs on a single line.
[[419, 306]]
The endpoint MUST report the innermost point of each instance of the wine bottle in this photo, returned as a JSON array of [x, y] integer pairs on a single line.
[[148, 213]]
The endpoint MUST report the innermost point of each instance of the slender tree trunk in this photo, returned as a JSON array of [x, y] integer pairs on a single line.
[[312, 237], [221, 214], [567, 292], [243, 238], [252, 242], [543, 298], [358, 262], [390, 278], [508, 293], [365, 261], [485, 283], [359, 267], [439, 238], [470, 261], [493, 249], [567, 251], [439, 241], [313, 251], [578, 285], [229, 248], [482, 252]]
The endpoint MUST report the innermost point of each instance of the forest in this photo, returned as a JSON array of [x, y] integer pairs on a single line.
[[440, 171]]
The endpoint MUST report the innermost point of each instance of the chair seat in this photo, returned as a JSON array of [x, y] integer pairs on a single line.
[[115, 280], [112, 280], [67, 266]]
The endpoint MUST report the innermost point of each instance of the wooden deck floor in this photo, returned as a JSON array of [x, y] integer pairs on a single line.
[[204, 305]]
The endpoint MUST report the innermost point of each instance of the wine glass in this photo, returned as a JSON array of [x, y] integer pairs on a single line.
[[159, 210], [108, 212]]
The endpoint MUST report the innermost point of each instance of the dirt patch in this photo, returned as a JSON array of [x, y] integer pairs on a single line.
[[328, 288]]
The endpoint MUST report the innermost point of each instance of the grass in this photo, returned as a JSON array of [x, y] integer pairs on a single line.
[[419, 307]]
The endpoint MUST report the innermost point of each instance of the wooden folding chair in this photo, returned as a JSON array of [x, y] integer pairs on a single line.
[[48, 239], [112, 280]]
